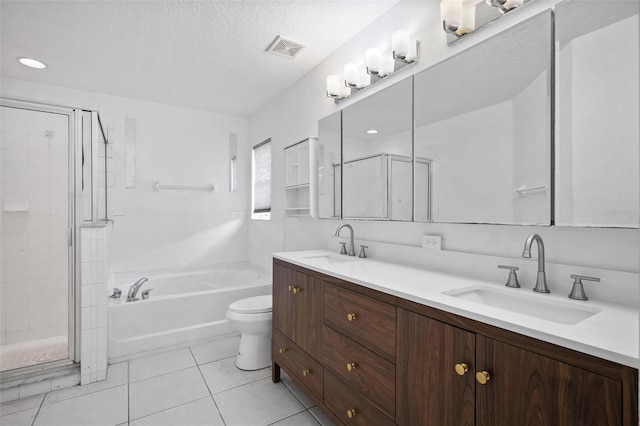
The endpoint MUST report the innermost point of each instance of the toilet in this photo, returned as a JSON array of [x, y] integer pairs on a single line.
[[252, 317]]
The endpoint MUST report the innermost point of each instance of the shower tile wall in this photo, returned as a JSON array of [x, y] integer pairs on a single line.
[[93, 304], [34, 269]]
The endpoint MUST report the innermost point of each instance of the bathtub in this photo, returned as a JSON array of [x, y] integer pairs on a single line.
[[182, 308]]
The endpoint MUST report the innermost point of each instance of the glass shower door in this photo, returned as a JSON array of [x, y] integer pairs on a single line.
[[35, 218]]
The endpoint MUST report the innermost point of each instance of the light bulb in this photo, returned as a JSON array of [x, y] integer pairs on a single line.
[[333, 86], [351, 74], [400, 44], [372, 60]]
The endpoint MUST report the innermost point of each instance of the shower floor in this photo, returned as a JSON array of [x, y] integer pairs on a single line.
[[33, 352]]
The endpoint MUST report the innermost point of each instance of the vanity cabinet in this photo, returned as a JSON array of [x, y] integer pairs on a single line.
[[297, 327], [449, 376], [370, 358]]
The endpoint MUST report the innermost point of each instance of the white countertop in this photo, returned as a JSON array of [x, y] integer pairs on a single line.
[[612, 333]]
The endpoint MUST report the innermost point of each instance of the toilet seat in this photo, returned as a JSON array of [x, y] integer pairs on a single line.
[[252, 305]]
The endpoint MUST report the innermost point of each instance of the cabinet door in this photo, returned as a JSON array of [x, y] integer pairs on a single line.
[[283, 302], [526, 388], [303, 163], [429, 391], [308, 307], [291, 166]]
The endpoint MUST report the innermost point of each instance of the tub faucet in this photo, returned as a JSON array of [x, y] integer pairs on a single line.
[[133, 290], [541, 282], [351, 251]]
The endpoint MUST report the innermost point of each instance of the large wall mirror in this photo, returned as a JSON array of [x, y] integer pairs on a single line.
[[483, 131], [377, 155], [597, 113], [329, 159]]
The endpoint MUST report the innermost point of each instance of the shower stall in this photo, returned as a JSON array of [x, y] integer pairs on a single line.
[[52, 167]]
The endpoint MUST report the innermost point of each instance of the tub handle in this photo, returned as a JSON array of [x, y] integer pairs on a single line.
[[145, 294], [116, 293]]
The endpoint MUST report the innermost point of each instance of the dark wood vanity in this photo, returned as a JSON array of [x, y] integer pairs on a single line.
[[370, 358]]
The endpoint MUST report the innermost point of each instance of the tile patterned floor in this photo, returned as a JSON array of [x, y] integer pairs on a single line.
[[33, 352], [194, 386]]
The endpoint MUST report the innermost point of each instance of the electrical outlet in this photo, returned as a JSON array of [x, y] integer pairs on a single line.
[[432, 242]]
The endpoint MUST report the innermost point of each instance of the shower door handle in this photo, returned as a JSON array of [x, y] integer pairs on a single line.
[[69, 237]]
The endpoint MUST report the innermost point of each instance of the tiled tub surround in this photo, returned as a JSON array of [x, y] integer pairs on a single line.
[[199, 385], [611, 334], [183, 307]]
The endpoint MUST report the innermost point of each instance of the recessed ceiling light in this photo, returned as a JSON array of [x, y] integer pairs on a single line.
[[32, 63], [372, 131]]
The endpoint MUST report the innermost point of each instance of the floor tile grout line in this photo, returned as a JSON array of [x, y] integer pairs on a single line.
[[39, 407], [240, 385], [210, 393], [287, 417], [170, 408], [162, 374], [128, 395]]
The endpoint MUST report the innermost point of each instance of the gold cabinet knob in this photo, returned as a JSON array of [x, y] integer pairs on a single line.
[[282, 350], [351, 366], [461, 368], [351, 317], [295, 290], [483, 377], [290, 288], [306, 372], [351, 413]]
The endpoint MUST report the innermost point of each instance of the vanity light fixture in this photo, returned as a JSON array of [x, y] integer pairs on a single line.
[[463, 17], [32, 63], [505, 5], [377, 65]]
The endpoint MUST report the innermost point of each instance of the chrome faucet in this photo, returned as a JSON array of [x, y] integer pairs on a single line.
[[351, 251], [541, 282], [133, 290]]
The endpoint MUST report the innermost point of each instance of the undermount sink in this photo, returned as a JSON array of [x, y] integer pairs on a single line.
[[552, 310], [333, 258]]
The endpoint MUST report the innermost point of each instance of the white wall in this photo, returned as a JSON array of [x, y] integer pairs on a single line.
[[294, 114], [175, 145]]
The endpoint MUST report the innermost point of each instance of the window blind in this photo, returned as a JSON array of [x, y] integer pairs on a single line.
[[262, 177]]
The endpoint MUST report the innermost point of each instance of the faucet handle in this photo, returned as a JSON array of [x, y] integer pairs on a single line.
[[116, 293], [343, 250], [512, 281], [145, 294], [363, 254], [577, 292]]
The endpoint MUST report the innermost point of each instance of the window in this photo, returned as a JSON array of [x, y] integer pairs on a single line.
[[261, 178]]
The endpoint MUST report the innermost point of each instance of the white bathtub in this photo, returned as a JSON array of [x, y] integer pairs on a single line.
[[182, 308]]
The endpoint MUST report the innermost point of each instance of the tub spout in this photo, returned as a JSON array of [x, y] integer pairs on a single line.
[[133, 290]]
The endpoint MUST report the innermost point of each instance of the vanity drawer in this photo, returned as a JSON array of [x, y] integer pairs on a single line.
[[298, 363], [369, 322], [349, 407], [368, 374]]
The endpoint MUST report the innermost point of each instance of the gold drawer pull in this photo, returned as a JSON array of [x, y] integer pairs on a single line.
[[351, 413], [306, 372], [461, 368], [282, 350], [351, 366], [483, 377], [351, 317]]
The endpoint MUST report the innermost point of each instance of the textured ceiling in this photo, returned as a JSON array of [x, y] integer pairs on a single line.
[[201, 54]]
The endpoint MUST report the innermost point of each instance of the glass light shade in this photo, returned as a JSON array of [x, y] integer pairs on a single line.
[[386, 66], [333, 85], [345, 91], [451, 13], [372, 59], [365, 79], [468, 17], [351, 74], [400, 43]]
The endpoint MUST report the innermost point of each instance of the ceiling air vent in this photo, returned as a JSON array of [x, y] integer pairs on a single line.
[[284, 47]]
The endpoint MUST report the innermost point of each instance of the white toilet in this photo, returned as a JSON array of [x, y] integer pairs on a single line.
[[252, 317]]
